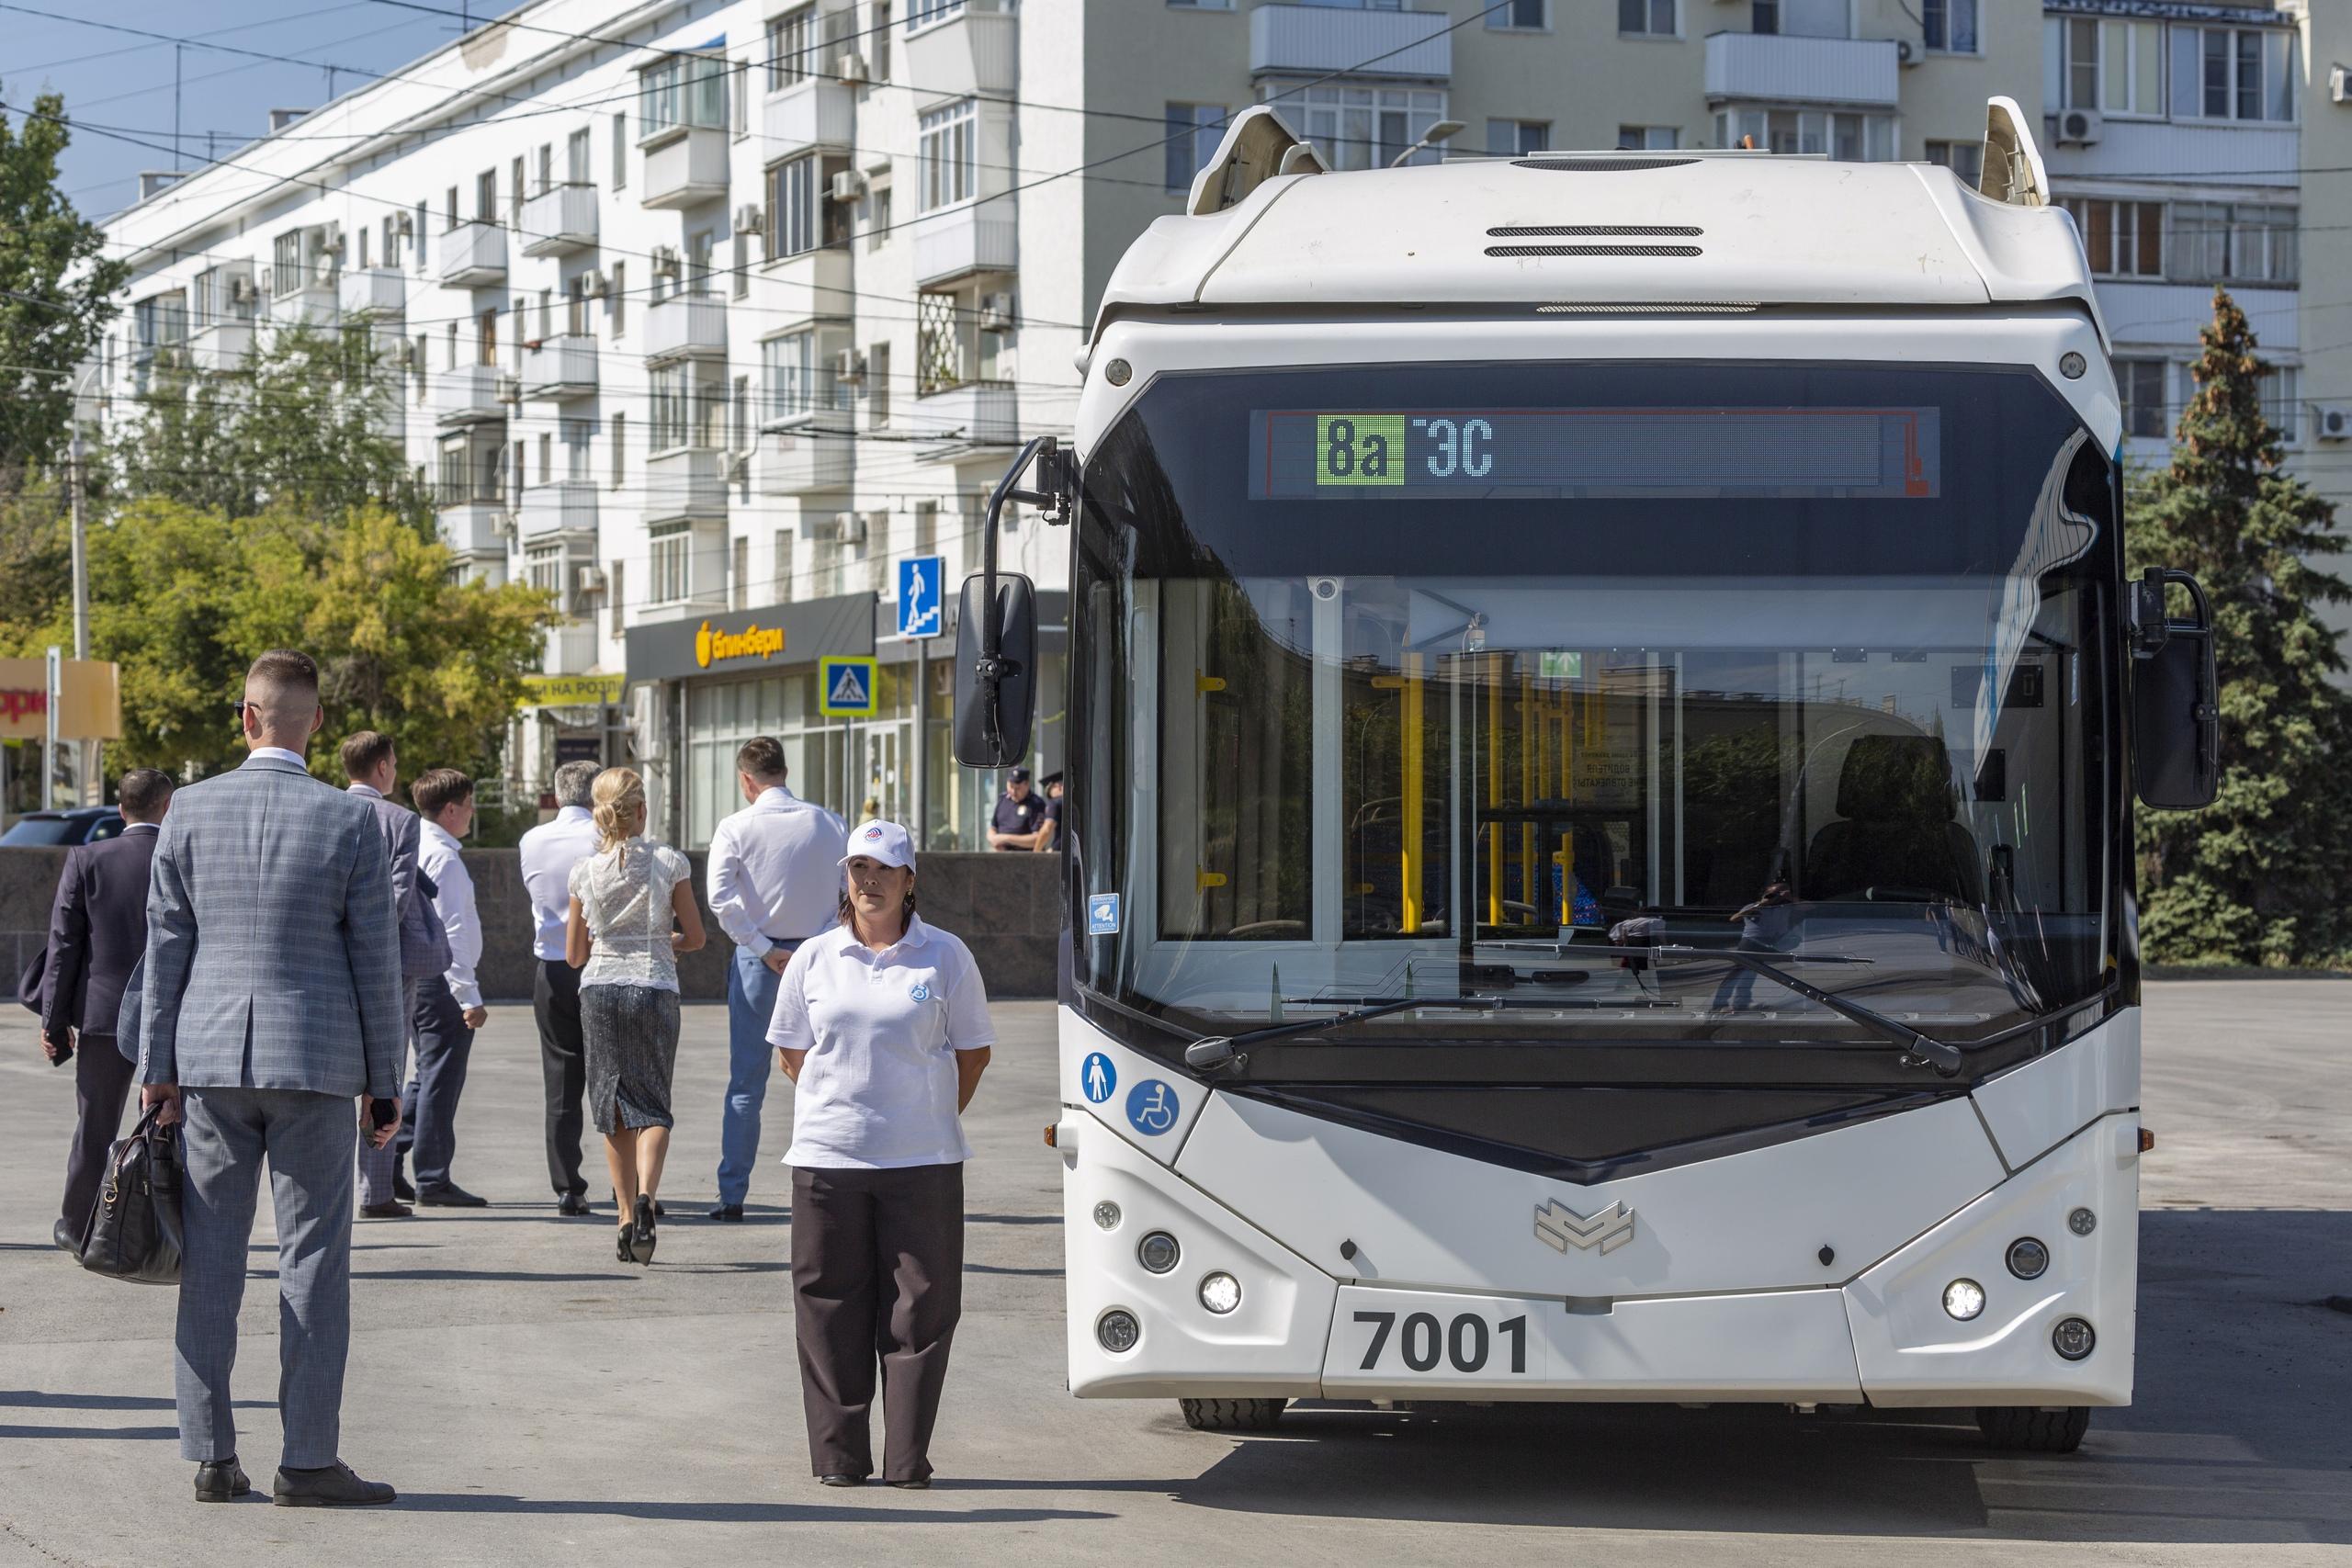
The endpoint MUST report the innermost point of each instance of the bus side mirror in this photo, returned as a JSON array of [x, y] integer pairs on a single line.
[[995, 700], [2176, 698]]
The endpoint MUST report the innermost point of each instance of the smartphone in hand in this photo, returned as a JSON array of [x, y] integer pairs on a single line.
[[383, 1113]]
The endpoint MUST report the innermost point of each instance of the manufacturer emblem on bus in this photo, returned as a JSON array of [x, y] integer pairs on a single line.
[[1560, 1227]]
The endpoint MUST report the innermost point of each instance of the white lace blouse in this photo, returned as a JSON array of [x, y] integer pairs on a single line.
[[624, 896]]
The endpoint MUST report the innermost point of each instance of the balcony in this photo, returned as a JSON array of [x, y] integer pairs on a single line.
[[312, 305], [813, 112], [687, 483], [561, 369], [975, 238], [559, 220], [1320, 40], [685, 326], [222, 346], [473, 254], [972, 51], [807, 452], [1785, 68], [559, 506], [375, 291], [814, 284], [468, 395], [685, 166], [977, 413], [571, 647], [472, 526]]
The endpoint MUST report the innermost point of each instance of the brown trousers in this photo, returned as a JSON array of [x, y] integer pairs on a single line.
[[878, 1280]]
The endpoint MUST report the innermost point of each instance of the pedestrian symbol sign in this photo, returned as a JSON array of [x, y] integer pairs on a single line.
[[918, 596], [846, 686], [1098, 1076]]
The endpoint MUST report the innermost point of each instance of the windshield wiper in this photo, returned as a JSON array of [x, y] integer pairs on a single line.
[[1219, 1050]]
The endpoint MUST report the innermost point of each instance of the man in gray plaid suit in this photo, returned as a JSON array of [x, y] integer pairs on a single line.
[[271, 1000]]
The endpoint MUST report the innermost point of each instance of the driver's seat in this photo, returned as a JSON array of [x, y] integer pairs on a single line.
[[1899, 804]]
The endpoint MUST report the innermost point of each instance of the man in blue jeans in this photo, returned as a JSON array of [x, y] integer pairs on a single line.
[[775, 881]]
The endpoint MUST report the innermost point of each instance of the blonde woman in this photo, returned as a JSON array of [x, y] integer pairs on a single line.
[[632, 913]]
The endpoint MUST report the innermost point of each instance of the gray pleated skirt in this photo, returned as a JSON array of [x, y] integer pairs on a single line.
[[630, 1037]]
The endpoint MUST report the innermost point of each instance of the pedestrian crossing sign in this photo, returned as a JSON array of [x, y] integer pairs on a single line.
[[846, 686]]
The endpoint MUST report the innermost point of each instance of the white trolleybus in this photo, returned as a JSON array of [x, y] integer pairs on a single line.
[[1604, 716]]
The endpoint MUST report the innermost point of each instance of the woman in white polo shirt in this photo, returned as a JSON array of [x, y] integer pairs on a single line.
[[883, 1025]]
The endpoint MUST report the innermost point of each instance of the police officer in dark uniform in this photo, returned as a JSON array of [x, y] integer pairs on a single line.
[[1018, 810]]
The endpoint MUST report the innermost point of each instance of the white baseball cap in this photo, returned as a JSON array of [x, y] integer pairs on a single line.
[[884, 842]]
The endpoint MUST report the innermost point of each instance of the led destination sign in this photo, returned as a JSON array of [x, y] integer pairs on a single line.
[[1595, 453]]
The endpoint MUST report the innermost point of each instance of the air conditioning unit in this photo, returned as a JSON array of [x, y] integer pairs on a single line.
[[738, 465], [850, 68], [849, 364], [751, 219], [242, 290], [2340, 83], [996, 312], [595, 284], [2080, 127], [587, 580], [2334, 422], [665, 261], [848, 186], [509, 388]]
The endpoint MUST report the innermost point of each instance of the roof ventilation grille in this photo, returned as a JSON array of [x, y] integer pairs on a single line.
[[1598, 165]]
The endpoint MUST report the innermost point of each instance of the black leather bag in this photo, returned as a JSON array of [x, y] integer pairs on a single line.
[[29, 983], [134, 1232]]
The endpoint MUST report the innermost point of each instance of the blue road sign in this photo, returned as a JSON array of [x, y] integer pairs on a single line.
[[1097, 1077], [920, 578], [1152, 1107], [846, 686], [1103, 914]]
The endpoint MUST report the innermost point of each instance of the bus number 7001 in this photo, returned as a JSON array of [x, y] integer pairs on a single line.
[[1464, 1343]]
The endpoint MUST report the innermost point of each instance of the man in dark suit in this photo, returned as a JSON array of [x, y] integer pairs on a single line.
[[97, 929]]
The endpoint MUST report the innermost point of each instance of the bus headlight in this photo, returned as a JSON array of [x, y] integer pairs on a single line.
[[1963, 1299], [2073, 1338], [1117, 1331], [1221, 1293], [1159, 1252], [2028, 1259]]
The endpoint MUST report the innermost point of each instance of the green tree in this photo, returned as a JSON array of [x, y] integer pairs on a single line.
[[2260, 876], [56, 293], [310, 422]]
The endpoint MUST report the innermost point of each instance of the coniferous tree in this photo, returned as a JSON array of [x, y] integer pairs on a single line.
[[2263, 875]]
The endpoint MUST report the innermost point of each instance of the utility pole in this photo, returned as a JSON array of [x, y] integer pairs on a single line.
[[91, 788], [179, 158]]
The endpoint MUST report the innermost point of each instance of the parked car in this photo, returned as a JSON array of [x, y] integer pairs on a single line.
[[78, 824]]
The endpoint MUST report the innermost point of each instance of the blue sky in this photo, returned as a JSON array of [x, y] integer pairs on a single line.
[[123, 83]]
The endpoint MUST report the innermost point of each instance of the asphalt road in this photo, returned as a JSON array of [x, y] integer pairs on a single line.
[[537, 1403]]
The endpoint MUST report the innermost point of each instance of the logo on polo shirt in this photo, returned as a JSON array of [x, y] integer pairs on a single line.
[[920, 991]]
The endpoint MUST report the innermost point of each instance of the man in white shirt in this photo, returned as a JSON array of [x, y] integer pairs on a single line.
[[449, 1005], [549, 851], [775, 881]]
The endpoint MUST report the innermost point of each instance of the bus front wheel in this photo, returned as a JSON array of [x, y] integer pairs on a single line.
[[2032, 1430], [1231, 1415]]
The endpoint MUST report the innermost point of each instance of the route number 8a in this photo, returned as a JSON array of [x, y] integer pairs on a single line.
[[1464, 1343]]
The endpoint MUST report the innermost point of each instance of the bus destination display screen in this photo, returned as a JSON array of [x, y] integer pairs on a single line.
[[1594, 452]]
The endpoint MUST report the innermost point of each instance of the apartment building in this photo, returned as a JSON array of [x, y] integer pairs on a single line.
[[2325, 319], [703, 313]]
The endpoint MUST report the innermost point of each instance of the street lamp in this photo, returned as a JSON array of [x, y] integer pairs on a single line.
[[1430, 138]]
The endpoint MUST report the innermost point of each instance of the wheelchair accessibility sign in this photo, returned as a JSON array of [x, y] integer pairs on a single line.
[[846, 686], [1152, 1107]]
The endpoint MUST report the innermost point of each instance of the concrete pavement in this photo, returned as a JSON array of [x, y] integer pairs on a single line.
[[538, 1403]]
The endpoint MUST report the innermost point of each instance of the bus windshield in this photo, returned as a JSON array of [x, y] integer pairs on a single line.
[[1492, 681]]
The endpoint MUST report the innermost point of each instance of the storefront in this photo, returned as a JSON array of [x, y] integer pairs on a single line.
[[703, 686], [563, 719], [88, 706]]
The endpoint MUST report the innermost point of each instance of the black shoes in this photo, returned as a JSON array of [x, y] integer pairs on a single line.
[[62, 1234], [643, 1229], [448, 1197], [571, 1204], [625, 1248], [385, 1211], [221, 1479], [333, 1487], [922, 1485], [729, 1213], [403, 1187], [659, 1212], [840, 1480]]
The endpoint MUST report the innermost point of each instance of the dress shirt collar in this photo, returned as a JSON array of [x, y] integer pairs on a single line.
[[131, 827], [575, 814], [369, 790], [276, 754], [441, 836], [774, 798]]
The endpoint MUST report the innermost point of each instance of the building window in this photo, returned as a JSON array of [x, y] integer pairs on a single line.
[[1950, 25], [2142, 384], [1804, 19], [1518, 138], [2281, 403], [2120, 239], [792, 42], [878, 229], [1848, 138], [614, 582], [923, 13], [620, 152], [683, 90], [671, 546], [286, 264], [878, 386], [1364, 127], [620, 299], [792, 199], [739, 585], [1648, 138], [686, 410], [780, 568], [1965, 159], [2234, 73], [1520, 15], [1649, 18], [948, 145], [797, 379], [619, 439], [1193, 131], [2114, 66], [542, 564], [2215, 241]]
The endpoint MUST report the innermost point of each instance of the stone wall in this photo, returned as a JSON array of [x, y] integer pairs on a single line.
[[1006, 907]]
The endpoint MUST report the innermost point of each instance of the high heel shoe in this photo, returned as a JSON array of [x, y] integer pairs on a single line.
[[626, 1248], [644, 1228]]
